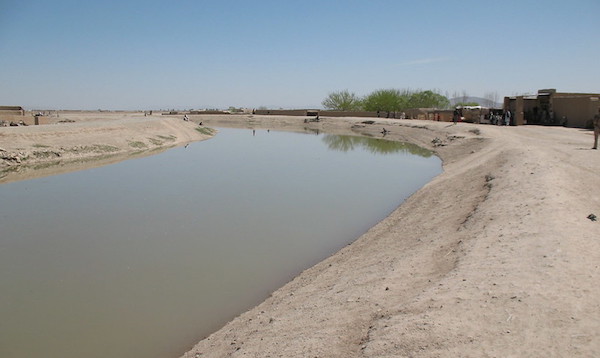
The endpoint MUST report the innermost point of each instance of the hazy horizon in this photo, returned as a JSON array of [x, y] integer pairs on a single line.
[[136, 55]]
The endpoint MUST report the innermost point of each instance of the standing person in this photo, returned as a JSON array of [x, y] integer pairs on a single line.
[[596, 123], [507, 117], [455, 115]]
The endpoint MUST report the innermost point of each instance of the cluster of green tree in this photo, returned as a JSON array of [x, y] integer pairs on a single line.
[[385, 100], [467, 104]]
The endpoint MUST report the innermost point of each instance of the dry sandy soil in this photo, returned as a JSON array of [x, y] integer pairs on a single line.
[[495, 257], [91, 139]]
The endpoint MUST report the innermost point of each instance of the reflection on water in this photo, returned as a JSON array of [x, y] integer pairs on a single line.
[[142, 258], [346, 143]]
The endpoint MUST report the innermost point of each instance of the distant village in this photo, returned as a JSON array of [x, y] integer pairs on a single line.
[[546, 107]]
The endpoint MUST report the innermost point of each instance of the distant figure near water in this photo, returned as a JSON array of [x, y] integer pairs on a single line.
[[596, 123]]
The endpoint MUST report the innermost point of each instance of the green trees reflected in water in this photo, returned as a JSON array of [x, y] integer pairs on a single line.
[[345, 143]]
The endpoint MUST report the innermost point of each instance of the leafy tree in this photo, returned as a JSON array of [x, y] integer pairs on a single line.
[[467, 104], [427, 99], [386, 100], [342, 101]]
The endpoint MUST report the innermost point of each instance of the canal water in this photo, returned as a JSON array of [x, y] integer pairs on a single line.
[[143, 258]]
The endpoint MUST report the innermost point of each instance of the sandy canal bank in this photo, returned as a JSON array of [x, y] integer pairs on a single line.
[[80, 140], [496, 257]]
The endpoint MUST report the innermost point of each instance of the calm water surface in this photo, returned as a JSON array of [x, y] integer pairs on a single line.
[[145, 257]]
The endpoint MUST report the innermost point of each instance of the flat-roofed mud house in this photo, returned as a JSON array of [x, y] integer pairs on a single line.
[[6, 111], [549, 107], [13, 114]]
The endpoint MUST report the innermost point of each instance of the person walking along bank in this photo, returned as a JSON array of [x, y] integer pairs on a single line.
[[596, 123]]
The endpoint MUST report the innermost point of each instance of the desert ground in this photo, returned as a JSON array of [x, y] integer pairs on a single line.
[[80, 140], [498, 256]]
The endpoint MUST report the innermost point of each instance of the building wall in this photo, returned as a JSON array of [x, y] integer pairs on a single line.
[[15, 109], [578, 110], [27, 119], [281, 112], [445, 115], [552, 108], [348, 114], [14, 114], [208, 112], [314, 112], [413, 113], [11, 111]]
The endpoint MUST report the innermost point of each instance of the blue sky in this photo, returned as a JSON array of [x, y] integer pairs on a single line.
[[130, 54]]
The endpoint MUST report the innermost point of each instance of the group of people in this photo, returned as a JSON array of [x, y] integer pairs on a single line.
[[187, 119], [501, 119], [498, 119]]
